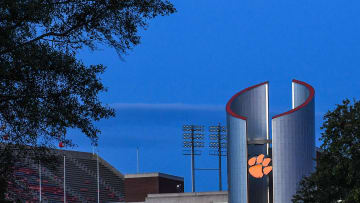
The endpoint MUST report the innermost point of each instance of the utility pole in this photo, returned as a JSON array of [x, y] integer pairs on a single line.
[[220, 145], [190, 136]]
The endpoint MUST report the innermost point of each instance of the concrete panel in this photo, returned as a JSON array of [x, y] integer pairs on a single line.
[[293, 143], [193, 197], [237, 160], [247, 116]]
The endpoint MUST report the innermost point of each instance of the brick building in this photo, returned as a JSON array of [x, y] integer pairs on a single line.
[[138, 186]]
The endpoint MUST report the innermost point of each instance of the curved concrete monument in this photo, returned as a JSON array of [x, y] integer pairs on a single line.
[[292, 147]]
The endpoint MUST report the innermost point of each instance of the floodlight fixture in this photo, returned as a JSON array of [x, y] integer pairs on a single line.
[[216, 153]]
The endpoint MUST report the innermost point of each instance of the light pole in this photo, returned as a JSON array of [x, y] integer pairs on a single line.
[[192, 137], [40, 180], [137, 161], [219, 144], [98, 177], [61, 145], [64, 181]]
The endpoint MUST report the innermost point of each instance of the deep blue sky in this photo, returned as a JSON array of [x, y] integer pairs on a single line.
[[189, 64]]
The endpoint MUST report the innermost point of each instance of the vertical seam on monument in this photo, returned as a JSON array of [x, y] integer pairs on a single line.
[[293, 95]]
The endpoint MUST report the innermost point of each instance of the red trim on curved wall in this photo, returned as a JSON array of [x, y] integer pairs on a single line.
[[228, 109], [311, 96]]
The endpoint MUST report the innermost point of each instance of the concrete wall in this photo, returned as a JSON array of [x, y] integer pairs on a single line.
[[192, 197]]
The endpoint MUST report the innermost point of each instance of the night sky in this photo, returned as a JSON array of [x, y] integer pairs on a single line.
[[189, 64]]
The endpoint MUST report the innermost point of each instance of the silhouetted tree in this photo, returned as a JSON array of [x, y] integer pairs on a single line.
[[44, 88], [337, 175]]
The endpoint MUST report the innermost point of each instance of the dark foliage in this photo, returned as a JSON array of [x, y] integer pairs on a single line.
[[44, 88], [337, 175]]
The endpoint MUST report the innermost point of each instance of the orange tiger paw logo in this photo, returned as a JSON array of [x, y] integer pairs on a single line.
[[259, 166]]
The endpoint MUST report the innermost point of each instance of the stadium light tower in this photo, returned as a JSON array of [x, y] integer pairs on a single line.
[[219, 143], [193, 139]]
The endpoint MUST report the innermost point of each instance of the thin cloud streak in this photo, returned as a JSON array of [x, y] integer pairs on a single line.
[[167, 106]]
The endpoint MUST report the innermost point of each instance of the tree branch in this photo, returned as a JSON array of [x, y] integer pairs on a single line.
[[46, 35]]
